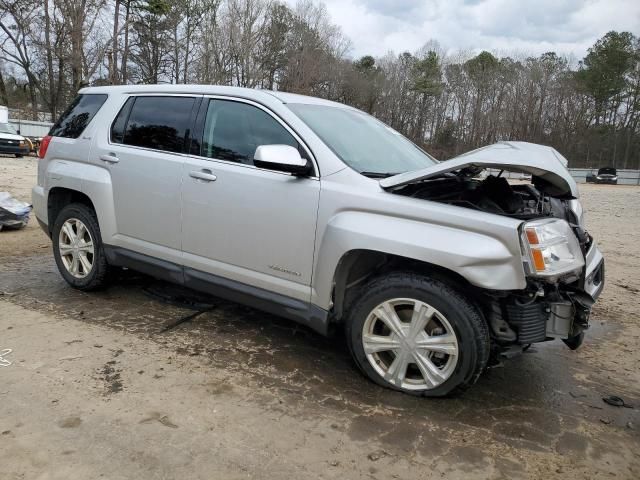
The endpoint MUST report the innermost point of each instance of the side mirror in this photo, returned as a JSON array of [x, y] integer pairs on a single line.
[[282, 158]]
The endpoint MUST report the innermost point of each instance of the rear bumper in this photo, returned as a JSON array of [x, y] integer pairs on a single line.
[[39, 202]]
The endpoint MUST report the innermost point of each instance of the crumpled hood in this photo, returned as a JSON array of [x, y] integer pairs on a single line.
[[537, 160]]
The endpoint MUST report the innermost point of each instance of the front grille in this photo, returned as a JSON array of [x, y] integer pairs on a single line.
[[529, 322], [9, 143]]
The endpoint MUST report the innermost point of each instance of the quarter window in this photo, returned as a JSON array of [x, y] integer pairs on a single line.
[[234, 130], [76, 118], [161, 123], [120, 123]]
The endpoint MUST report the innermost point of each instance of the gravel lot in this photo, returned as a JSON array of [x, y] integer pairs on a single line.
[[98, 388]]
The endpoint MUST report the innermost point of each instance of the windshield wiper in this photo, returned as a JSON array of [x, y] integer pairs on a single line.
[[379, 174]]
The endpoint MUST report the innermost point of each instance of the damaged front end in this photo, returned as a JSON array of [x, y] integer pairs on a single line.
[[563, 267]]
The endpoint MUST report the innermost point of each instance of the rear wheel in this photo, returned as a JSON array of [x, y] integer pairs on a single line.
[[77, 248], [417, 335]]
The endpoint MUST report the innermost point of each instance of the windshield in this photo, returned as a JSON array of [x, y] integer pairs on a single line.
[[607, 171], [362, 142], [6, 128]]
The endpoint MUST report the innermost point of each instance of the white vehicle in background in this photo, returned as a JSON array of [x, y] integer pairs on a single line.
[[11, 142]]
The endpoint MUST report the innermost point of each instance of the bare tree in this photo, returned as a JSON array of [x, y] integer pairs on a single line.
[[446, 102]]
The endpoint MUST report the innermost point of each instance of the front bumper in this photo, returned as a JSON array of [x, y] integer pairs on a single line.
[[550, 311], [593, 282], [607, 181], [14, 149]]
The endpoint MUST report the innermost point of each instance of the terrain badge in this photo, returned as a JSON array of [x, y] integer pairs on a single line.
[[278, 268]]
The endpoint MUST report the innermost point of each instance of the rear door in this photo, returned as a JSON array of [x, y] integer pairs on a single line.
[[144, 155], [246, 224]]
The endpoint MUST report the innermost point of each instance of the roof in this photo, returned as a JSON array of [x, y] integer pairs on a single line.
[[249, 93]]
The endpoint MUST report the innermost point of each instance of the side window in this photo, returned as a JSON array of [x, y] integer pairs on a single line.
[[234, 130], [161, 123], [76, 118], [119, 124]]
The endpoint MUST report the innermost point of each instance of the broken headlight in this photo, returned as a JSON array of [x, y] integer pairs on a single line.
[[551, 248]]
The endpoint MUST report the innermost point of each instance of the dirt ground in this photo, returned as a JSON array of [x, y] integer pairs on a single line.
[[101, 386]]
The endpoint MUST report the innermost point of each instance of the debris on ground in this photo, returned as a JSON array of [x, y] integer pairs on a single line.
[[14, 214], [615, 401], [162, 419], [377, 455], [628, 287], [179, 296], [182, 320]]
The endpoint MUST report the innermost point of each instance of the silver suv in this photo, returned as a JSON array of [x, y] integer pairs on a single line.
[[317, 212]]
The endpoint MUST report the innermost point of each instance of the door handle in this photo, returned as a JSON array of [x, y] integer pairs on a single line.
[[205, 175], [111, 158]]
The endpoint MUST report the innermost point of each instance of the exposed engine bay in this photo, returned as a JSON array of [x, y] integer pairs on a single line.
[[546, 309], [493, 194]]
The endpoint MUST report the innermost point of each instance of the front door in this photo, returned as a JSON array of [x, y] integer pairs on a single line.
[[239, 222]]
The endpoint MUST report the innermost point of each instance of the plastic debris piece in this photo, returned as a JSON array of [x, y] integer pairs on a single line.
[[613, 401], [14, 214]]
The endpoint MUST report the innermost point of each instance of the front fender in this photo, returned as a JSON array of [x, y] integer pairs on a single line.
[[488, 260]]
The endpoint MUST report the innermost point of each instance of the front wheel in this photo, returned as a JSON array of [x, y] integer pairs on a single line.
[[77, 248], [417, 335]]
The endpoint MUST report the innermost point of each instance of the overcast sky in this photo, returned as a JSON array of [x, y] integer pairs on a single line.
[[526, 26]]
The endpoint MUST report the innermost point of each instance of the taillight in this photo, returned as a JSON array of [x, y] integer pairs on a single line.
[[44, 144]]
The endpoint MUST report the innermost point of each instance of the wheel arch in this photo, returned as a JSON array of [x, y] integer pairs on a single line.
[[468, 251], [84, 183], [357, 266], [60, 197]]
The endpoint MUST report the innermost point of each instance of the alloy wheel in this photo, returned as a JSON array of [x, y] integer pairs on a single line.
[[76, 248]]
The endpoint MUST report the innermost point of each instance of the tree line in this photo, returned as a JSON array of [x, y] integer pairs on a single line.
[[447, 103]]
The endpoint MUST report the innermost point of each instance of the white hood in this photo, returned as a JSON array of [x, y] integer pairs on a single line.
[[11, 136], [537, 160]]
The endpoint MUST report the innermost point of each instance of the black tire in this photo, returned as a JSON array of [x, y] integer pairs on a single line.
[[18, 155], [468, 324], [99, 274]]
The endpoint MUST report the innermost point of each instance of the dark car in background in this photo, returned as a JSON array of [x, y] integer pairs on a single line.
[[607, 175]]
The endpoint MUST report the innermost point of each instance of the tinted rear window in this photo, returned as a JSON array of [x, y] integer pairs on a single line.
[[161, 123], [76, 118]]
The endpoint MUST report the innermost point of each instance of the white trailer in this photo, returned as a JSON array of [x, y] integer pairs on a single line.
[[30, 128]]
